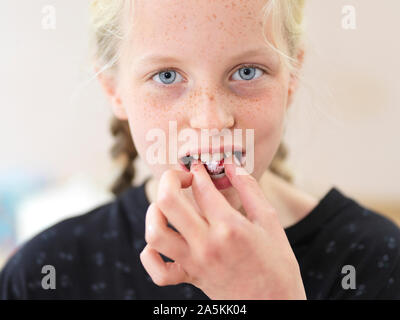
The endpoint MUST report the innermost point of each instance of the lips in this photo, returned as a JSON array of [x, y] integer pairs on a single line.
[[214, 163]]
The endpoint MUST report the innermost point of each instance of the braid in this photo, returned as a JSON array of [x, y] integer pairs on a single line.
[[123, 147], [278, 164]]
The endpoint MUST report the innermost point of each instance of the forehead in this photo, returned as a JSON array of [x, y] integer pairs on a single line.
[[198, 29]]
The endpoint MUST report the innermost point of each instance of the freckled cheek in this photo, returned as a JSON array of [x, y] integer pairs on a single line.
[[154, 105], [166, 95], [264, 114], [147, 115], [140, 130]]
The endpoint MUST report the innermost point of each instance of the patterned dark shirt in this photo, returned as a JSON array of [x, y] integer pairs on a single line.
[[96, 254]]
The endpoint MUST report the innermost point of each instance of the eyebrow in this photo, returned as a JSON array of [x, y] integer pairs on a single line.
[[158, 58]]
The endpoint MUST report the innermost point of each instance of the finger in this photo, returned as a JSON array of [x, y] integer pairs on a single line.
[[184, 179], [210, 201], [162, 238], [250, 193], [177, 208], [162, 273]]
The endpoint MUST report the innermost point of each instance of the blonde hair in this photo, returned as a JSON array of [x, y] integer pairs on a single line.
[[106, 26]]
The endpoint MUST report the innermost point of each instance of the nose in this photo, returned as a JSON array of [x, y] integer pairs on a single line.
[[211, 112]]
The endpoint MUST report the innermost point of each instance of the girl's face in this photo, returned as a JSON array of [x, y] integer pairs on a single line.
[[187, 61]]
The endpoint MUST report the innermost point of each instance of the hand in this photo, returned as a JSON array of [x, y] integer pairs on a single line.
[[217, 249]]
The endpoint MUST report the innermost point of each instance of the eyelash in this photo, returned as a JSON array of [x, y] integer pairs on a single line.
[[240, 67]]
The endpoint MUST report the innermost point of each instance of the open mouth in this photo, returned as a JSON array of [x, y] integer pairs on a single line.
[[214, 163]]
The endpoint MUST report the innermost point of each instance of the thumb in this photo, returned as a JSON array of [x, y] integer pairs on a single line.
[[250, 193]]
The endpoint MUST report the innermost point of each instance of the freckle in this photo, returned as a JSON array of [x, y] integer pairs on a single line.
[[215, 17]]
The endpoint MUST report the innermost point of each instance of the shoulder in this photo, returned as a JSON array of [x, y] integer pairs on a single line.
[[82, 249], [77, 247], [55, 246], [366, 240], [363, 225]]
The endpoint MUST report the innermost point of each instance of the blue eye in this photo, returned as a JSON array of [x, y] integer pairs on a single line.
[[167, 76], [248, 73]]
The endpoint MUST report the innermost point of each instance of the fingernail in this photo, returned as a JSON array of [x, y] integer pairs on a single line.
[[236, 161], [228, 160], [194, 165], [240, 171]]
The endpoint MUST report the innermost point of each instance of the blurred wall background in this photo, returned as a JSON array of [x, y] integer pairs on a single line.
[[54, 125]]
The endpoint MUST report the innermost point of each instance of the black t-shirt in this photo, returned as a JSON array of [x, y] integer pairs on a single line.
[[96, 255]]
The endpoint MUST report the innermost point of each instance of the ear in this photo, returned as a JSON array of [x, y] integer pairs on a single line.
[[107, 82], [294, 80]]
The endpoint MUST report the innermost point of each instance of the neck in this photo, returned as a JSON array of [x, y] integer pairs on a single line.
[[291, 203]]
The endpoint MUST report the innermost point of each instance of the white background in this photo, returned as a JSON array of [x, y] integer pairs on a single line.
[[343, 129]]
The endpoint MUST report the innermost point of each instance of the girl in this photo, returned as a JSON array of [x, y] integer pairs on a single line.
[[205, 226]]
